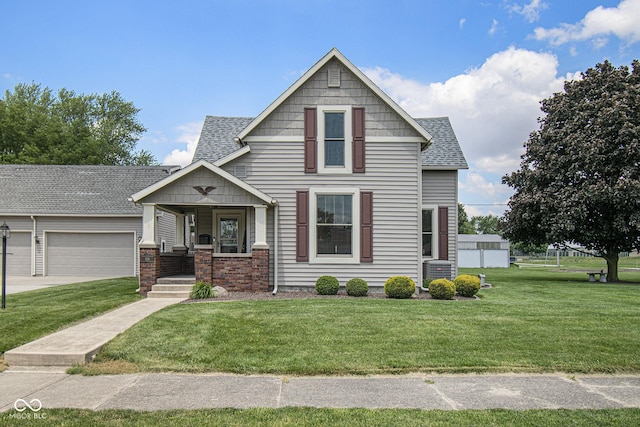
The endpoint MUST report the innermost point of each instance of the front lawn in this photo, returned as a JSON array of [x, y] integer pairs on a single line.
[[33, 314], [532, 320], [329, 417]]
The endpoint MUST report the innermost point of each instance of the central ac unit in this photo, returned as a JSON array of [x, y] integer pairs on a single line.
[[437, 269]]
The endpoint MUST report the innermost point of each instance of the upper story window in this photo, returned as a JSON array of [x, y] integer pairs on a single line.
[[334, 139], [334, 149]]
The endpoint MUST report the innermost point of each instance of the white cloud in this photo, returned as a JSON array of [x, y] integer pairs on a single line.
[[530, 11], [477, 183], [622, 21], [188, 134], [492, 108], [462, 22], [494, 27]]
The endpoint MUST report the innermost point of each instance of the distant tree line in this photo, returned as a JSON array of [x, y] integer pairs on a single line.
[[38, 126]]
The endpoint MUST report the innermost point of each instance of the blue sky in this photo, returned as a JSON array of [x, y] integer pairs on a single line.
[[485, 64]]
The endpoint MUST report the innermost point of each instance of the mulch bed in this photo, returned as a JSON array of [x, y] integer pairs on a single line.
[[256, 296]]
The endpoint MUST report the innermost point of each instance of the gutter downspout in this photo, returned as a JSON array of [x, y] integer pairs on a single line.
[[276, 220], [34, 251]]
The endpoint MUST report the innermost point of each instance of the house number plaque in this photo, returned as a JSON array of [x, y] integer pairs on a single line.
[[147, 258]]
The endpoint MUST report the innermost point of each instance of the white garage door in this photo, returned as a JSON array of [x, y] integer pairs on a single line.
[[18, 254], [95, 254]]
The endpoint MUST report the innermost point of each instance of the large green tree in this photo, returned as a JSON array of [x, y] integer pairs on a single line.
[[464, 225], [485, 224], [579, 179], [38, 126]]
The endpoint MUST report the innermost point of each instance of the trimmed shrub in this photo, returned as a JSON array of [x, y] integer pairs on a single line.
[[201, 290], [426, 282], [467, 285], [399, 287], [327, 285], [357, 288], [442, 289]]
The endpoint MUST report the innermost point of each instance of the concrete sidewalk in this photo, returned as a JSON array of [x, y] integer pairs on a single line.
[[79, 343], [149, 392]]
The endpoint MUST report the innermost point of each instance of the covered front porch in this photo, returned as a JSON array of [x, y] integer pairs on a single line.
[[220, 230]]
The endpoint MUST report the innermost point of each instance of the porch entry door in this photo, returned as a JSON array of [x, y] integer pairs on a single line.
[[230, 232]]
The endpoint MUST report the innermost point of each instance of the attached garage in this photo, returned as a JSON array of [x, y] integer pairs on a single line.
[[18, 254], [97, 254]]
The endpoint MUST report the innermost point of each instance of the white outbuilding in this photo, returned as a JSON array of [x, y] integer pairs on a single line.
[[482, 251]]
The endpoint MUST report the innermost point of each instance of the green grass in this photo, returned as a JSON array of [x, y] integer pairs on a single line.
[[33, 314], [332, 417], [532, 320]]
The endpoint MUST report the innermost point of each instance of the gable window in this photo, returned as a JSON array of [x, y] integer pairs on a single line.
[[334, 149], [334, 139]]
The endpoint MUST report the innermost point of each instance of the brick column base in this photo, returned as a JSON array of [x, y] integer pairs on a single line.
[[260, 270], [203, 265], [149, 268]]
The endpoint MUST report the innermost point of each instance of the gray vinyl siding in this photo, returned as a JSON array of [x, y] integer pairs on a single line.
[[166, 230], [439, 188], [277, 169], [288, 120], [182, 192]]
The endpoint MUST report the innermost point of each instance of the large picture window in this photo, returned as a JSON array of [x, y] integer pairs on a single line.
[[334, 224]]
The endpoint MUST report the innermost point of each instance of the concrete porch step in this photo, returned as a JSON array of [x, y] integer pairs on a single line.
[[172, 287], [176, 280], [168, 294]]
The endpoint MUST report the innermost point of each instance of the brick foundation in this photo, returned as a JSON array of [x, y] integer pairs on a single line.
[[203, 264], [171, 265], [233, 273], [260, 270], [149, 268]]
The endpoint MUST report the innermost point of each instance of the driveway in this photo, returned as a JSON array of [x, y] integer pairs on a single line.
[[17, 284]]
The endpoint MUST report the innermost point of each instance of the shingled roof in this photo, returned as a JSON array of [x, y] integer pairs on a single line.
[[217, 140], [74, 190], [444, 152]]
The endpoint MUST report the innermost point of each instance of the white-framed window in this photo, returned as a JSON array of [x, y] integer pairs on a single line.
[[334, 231], [334, 139], [429, 232]]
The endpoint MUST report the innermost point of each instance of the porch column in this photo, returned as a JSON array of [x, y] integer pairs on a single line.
[[148, 249], [179, 246], [149, 225], [260, 227]]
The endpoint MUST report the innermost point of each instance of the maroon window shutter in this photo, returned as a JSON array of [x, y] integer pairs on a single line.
[[310, 140], [302, 226], [366, 226], [443, 233], [358, 139]]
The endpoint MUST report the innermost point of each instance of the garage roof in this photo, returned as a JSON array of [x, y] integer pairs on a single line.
[[74, 190]]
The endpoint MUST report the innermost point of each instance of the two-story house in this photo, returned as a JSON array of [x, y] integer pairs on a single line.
[[333, 178]]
